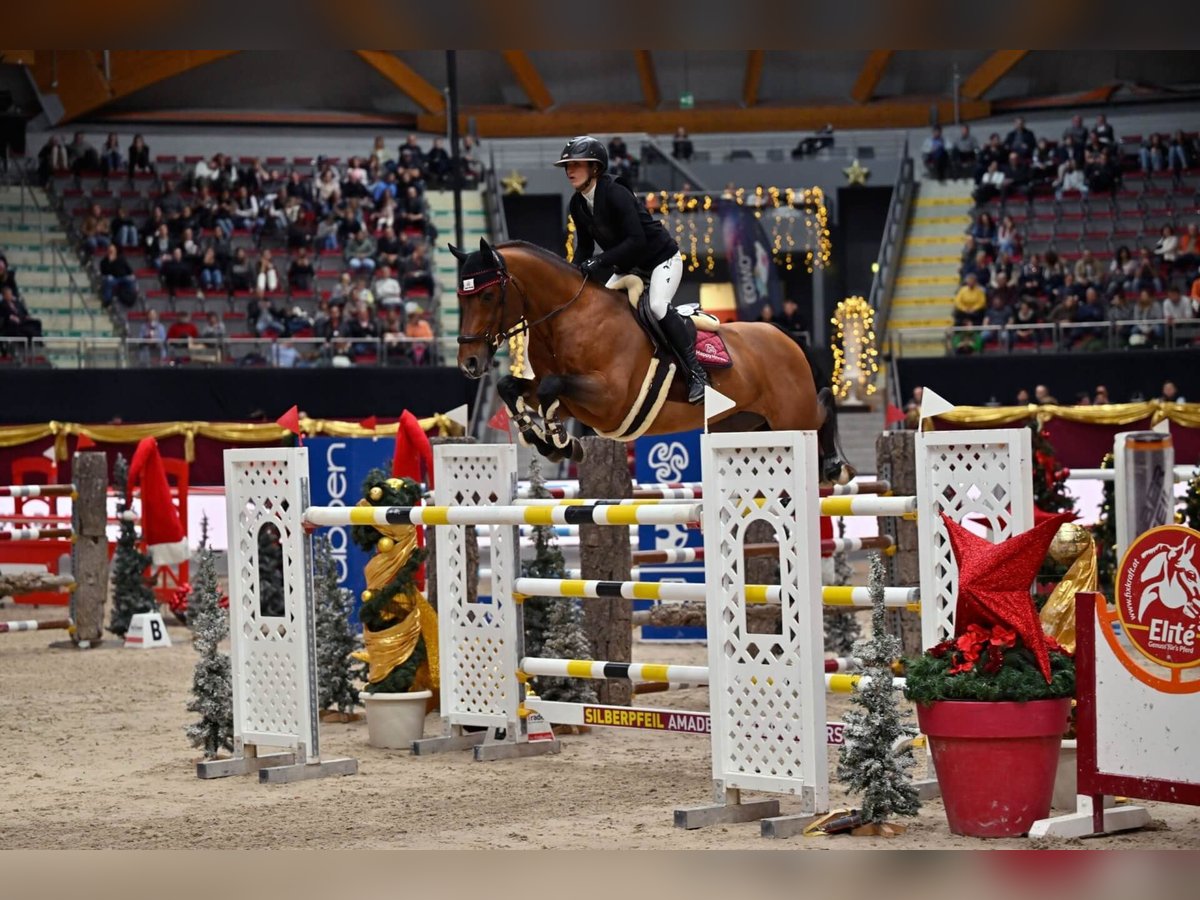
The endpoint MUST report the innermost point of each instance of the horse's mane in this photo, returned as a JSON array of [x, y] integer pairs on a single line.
[[554, 260]]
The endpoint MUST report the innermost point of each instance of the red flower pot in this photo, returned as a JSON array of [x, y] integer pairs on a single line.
[[995, 762]]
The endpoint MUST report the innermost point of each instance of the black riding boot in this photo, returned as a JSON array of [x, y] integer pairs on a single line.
[[684, 346]]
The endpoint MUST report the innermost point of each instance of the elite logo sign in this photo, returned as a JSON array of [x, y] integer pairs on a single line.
[[1158, 595]]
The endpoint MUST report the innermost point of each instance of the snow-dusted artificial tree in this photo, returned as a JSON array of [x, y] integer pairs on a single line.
[[270, 569], [335, 638], [566, 639], [131, 590], [842, 627], [212, 679], [547, 562], [869, 764]]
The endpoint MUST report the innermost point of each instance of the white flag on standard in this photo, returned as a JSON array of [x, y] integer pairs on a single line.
[[933, 404], [715, 403]]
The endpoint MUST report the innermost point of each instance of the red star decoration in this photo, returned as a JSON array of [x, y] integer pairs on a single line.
[[994, 580]]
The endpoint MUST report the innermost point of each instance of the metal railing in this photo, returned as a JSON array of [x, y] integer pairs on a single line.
[[891, 247], [1050, 337]]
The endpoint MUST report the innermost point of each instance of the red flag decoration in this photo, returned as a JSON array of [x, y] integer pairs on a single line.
[[412, 451], [894, 414], [994, 582], [161, 528], [370, 423], [500, 420], [290, 421], [84, 443]]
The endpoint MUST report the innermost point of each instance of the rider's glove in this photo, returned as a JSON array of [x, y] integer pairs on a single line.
[[591, 267]]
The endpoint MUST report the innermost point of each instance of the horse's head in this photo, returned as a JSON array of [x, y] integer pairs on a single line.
[[483, 307]]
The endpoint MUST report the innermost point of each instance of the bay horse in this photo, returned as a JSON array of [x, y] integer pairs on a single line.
[[592, 361]]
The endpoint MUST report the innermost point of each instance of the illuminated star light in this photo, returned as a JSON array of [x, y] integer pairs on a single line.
[[857, 173]]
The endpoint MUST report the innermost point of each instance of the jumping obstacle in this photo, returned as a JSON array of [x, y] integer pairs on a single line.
[[35, 625], [692, 491], [85, 543]]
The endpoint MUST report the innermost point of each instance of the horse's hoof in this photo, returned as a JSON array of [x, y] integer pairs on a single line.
[[576, 450]]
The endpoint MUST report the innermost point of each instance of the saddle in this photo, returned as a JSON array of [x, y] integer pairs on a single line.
[[711, 351]]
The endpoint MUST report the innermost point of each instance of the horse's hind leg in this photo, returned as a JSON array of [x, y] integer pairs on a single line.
[[834, 466]]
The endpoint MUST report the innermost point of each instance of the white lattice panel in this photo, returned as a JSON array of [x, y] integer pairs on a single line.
[[274, 663], [983, 475], [478, 641], [768, 690]]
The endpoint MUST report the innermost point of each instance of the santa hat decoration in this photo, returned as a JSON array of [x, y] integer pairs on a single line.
[[161, 529], [412, 451]]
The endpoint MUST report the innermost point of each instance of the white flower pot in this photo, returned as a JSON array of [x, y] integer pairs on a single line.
[[1066, 779], [394, 721]]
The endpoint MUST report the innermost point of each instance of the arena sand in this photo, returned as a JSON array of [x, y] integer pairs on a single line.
[[93, 755]]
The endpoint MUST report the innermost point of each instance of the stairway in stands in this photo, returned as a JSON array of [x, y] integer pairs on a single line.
[[441, 207], [29, 234], [928, 274]]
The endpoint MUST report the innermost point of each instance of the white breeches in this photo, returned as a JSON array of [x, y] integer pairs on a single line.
[[664, 282]]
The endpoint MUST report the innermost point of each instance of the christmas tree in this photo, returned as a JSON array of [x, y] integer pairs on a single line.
[[842, 628], [1105, 533], [1190, 505], [1049, 475], [547, 562], [183, 594], [212, 679], [131, 590], [868, 764], [270, 570], [566, 639], [335, 640]]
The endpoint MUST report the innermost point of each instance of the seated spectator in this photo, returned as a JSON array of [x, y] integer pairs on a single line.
[[326, 237], [1020, 140], [175, 272], [266, 277], [992, 183], [153, 337], [204, 173], [992, 152], [360, 252], [1147, 314], [1167, 244], [15, 320], [1091, 309], [965, 150], [385, 215], [970, 302], [981, 268], [1025, 317], [1102, 174], [1170, 393], [1194, 293], [387, 289], [1070, 178], [1153, 155], [1008, 239], [82, 156], [123, 229], [1177, 306], [1119, 312], [1187, 251], [1004, 266], [1065, 311], [356, 180], [363, 331], [1004, 290], [96, 230], [159, 249], [1043, 164], [390, 250], [1069, 288], [360, 295], [247, 214], [328, 190], [52, 158], [1180, 153], [212, 332], [412, 211], [1100, 396], [1018, 176], [192, 251], [241, 272], [301, 272], [384, 187], [470, 160], [1121, 270], [170, 200], [1032, 282], [418, 329], [1055, 272], [1087, 269], [1075, 130], [1103, 132], [343, 291], [264, 318], [681, 145], [379, 155], [391, 329], [969, 251], [212, 278], [329, 324], [1146, 277], [998, 317], [418, 273], [139, 157], [438, 164], [984, 231], [111, 158], [1043, 397], [116, 278], [349, 221], [411, 156], [620, 163], [935, 155]]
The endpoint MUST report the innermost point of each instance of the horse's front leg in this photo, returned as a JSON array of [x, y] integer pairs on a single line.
[[520, 396], [550, 393]]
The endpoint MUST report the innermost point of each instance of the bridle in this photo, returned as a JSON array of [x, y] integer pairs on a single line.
[[496, 334]]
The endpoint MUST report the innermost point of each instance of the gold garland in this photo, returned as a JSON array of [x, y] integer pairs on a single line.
[[228, 432], [1073, 542]]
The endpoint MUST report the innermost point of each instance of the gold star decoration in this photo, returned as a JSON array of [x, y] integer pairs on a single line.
[[514, 183], [857, 173]]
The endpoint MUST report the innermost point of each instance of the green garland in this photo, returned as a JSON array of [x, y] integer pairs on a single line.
[[1018, 679], [379, 611], [1104, 533]]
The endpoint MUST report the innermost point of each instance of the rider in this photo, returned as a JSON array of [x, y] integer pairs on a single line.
[[607, 213]]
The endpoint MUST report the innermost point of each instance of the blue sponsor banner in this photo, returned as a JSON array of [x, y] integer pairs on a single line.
[[669, 458], [751, 267], [337, 469]]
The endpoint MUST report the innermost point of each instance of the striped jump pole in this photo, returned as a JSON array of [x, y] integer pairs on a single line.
[[848, 684], [590, 514], [37, 534], [34, 625], [37, 490], [851, 505], [680, 555], [695, 491], [901, 597], [600, 669]]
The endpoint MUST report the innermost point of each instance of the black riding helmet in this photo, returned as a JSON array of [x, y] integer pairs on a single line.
[[584, 149]]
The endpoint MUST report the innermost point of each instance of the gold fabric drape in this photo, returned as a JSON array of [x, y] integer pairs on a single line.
[[1058, 614], [1186, 415], [228, 432]]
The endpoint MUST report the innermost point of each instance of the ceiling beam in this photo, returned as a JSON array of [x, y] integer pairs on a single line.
[[648, 77], [403, 76], [868, 78], [18, 57], [528, 77], [78, 76], [990, 71], [515, 121], [754, 67]]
